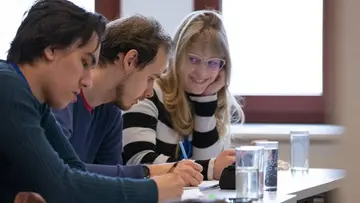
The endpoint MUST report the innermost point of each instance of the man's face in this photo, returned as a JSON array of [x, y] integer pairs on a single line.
[[68, 71], [138, 84]]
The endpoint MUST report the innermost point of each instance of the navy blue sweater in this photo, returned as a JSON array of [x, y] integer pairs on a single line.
[[96, 135], [36, 156]]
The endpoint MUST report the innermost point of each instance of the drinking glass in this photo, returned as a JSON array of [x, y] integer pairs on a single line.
[[271, 149], [247, 171], [300, 141]]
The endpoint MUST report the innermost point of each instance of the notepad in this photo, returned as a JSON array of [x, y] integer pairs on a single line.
[[192, 194]]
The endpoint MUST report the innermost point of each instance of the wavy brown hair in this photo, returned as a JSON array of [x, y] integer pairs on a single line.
[[198, 25]]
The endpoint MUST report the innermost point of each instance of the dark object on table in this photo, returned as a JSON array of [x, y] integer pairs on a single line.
[[227, 179]]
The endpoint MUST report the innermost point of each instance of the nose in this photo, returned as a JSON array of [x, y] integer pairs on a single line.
[[86, 80], [200, 71]]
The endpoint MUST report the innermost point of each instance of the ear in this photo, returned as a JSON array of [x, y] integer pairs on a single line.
[[130, 60], [49, 53]]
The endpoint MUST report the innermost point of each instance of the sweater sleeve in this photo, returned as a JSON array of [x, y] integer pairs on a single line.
[[35, 143], [206, 142], [135, 171]]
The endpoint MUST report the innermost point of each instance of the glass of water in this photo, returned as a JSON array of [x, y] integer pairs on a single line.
[[271, 149], [247, 171], [261, 172], [300, 142]]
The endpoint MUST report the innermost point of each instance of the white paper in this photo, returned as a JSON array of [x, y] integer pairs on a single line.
[[204, 185], [192, 194]]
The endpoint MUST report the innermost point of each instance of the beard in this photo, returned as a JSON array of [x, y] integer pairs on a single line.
[[119, 97]]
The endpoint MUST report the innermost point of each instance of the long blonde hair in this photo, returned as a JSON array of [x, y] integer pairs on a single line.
[[228, 109]]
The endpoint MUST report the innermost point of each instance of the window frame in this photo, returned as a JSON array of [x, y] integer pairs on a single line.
[[274, 109], [290, 109], [109, 8]]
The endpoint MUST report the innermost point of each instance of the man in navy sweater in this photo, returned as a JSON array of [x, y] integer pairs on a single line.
[[133, 54], [48, 63]]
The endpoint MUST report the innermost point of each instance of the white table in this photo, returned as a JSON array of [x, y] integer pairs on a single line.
[[269, 197], [291, 186], [304, 185]]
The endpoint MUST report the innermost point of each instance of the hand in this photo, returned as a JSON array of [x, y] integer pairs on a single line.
[[283, 165], [170, 186], [28, 197], [215, 86], [190, 172], [223, 160]]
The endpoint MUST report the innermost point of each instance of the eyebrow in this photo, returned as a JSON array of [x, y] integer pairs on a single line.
[[92, 57]]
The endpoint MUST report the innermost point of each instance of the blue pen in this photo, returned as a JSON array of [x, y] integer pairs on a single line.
[[183, 150]]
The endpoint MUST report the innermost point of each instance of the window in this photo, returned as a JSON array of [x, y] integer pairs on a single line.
[[312, 104], [86, 4], [276, 46], [15, 10]]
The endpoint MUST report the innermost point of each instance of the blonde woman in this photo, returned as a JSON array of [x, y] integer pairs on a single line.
[[191, 102]]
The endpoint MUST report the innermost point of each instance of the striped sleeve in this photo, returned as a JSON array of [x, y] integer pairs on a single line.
[[139, 135], [205, 138]]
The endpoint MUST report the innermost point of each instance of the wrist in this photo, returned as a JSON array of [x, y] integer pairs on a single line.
[[161, 169], [211, 170], [146, 171]]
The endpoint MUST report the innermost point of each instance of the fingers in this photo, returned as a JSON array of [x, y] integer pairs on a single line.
[[194, 165], [222, 75], [194, 178], [229, 152], [230, 160], [191, 181], [283, 165], [191, 176], [179, 178]]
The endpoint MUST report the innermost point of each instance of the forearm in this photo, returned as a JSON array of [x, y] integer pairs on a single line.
[[48, 175], [135, 171]]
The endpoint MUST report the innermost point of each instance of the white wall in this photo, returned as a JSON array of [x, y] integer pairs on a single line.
[[168, 12], [15, 10]]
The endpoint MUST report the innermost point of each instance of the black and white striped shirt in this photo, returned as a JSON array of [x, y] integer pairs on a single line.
[[149, 137]]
